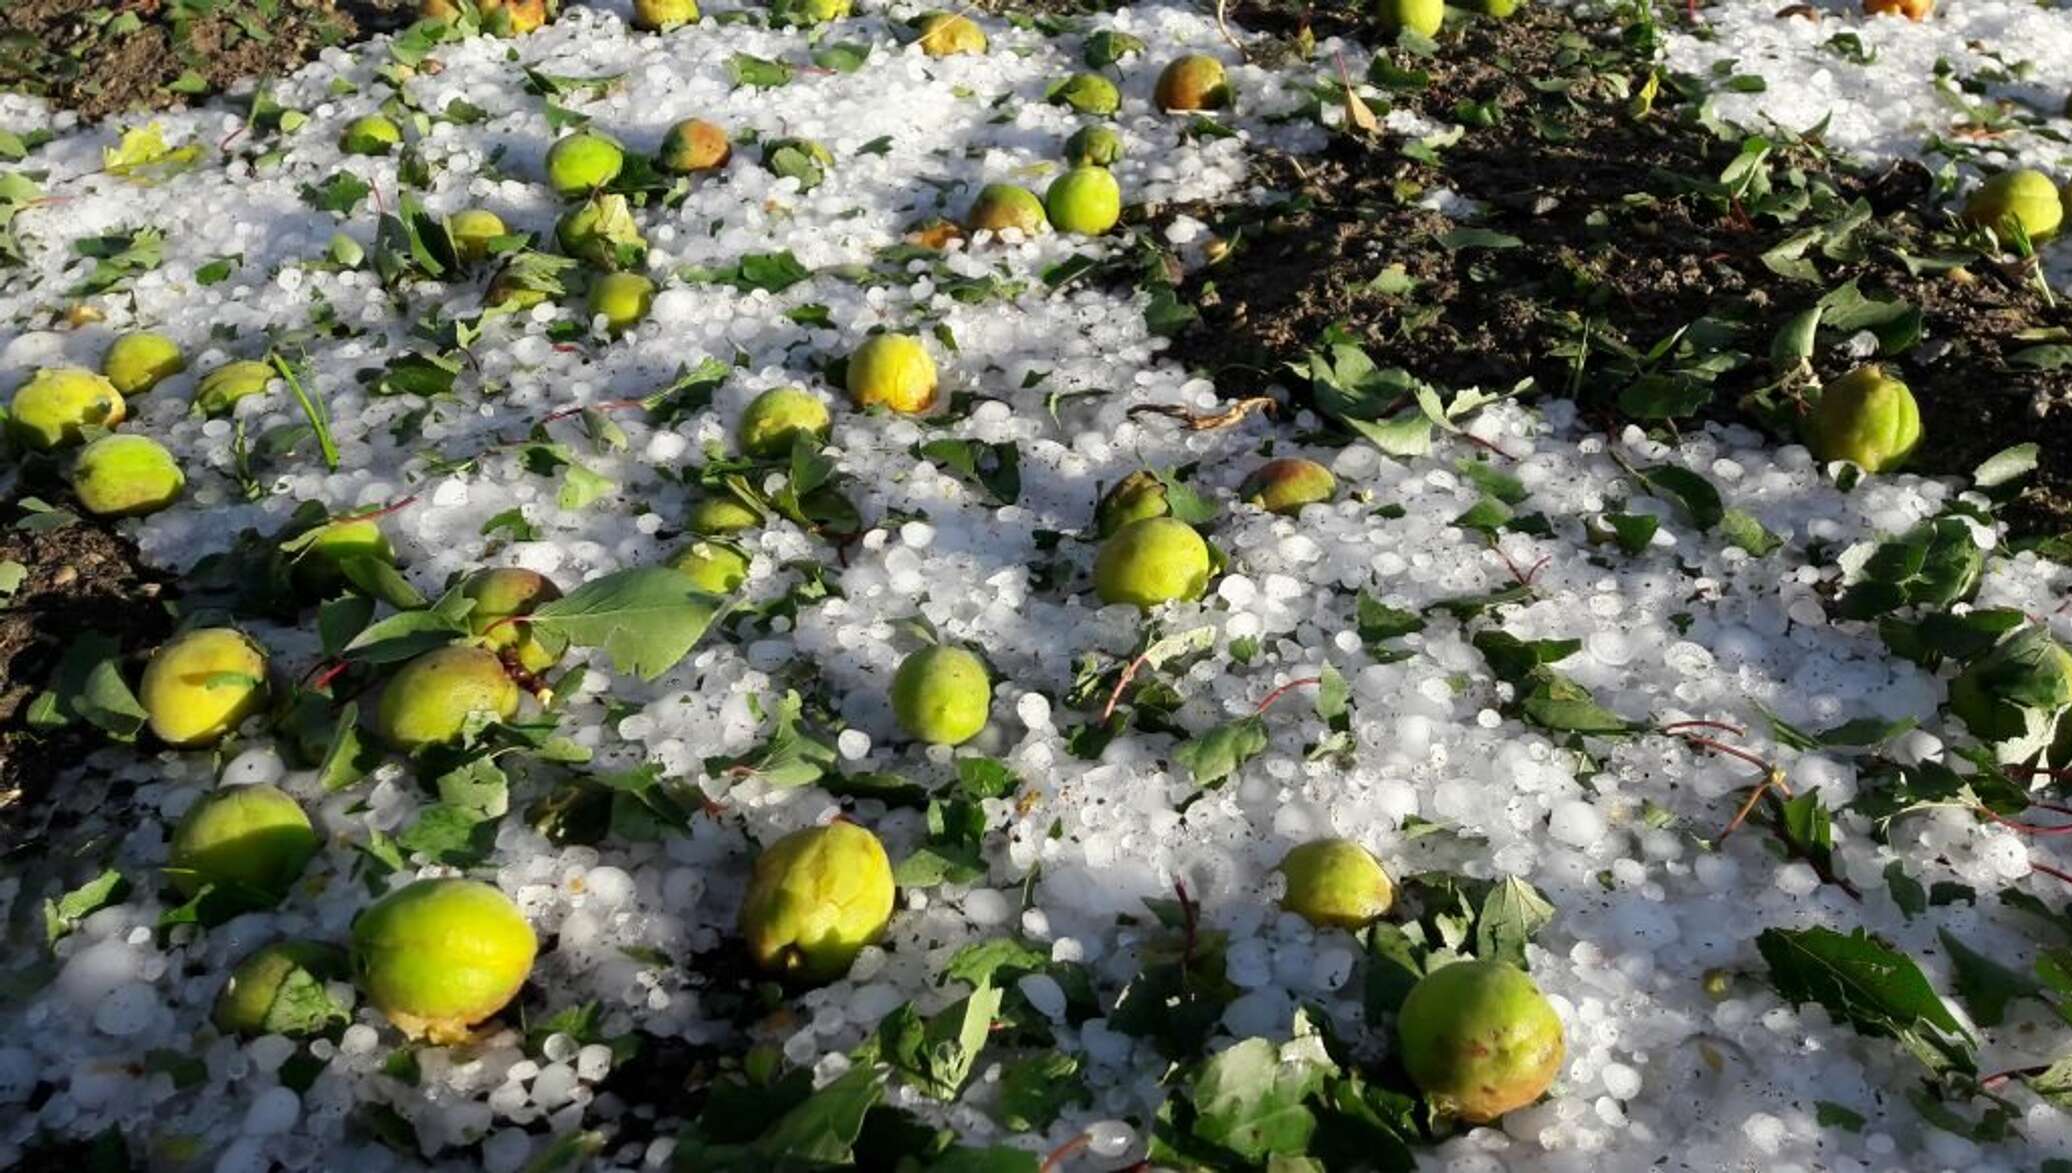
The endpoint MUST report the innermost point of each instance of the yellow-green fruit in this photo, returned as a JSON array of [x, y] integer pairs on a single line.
[[779, 416], [432, 698], [1866, 418], [319, 565], [438, 956], [1500, 9], [816, 899], [126, 476], [582, 162], [601, 232], [139, 361], [1088, 93], [1420, 16], [1085, 200], [805, 12], [1193, 82], [1001, 206], [799, 159], [945, 34], [2025, 197], [200, 684], [1287, 484], [1335, 884], [892, 371], [279, 990], [1093, 146], [694, 145], [711, 516], [622, 299], [57, 404], [1157, 560], [251, 839], [657, 15], [221, 389], [510, 18], [372, 134], [472, 229], [1479, 1039], [1134, 498], [941, 695], [500, 595], [712, 567]]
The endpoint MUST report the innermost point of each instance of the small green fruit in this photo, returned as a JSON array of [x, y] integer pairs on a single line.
[[602, 233], [1499, 9], [1419, 16], [817, 897], [892, 371], [139, 361], [1479, 1039], [279, 990], [373, 134], [1001, 206], [126, 476], [511, 18], [1134, 498], [1866, 418], [714, 516], [1287, 484], [223, 388], [779, 416], [472, 229], [254, 839], [694, 145], [945, 34], [1085, 200], [941, 695], [581, 162], [54, 407], [1093, 146], [201, 684], [713, 567], [431, 700], [318, 566], [1193, 82], [438, 956], [798, 158], [808, 12], [656, 16], [622, 299], [1157, 560], [1088, 93], [2024, 196], [1336, 883], [502, 594]]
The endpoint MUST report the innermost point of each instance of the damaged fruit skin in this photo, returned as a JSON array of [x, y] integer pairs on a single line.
[[773, 420], [137, 362], [654, 16], [252, 838], [1157, 560], [1866, 418], [430, 700], [1193, 82], [892, 371], [1088, 93], [438, 956], [1093, 146], [57, 404], [1287, 484], [226, 386], [816, 898], [201, 684], [946, 34], [1480, 1039], [1135, 497], [712, 567], [246, 1004], [1001, 206], [694, 145], [942, 695], [1084, 200], [126, 476], [2023, 197], [1336, 883], [500, 595]]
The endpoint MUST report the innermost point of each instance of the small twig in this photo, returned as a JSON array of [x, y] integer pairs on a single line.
[[1129, 673], [1223, 26], [1486, 445], [2000, 1077], [1284, 690], [2021, 827], [1674, 726], [1190, 921], [1773, 779], [2049, 871], [1059, 1155], [1234, 414], [608, 405], [1521, 577]]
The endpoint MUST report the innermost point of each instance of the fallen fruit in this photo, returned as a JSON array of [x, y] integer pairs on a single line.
[[510, 18], [622, 300], [2023, 197], [711, 516], [438, 956], [254, 840], [225, 387], [1134, 498], [816, 898], [713, 567], [602, 233], [656, 16], [1001, 206], [581, 162], [1193, 82], [126, 476], [1287, 484], [1479, 1039], [1911, 9], [808, 12], [502, 594], [1085, 200], [1499, 9], [201, 684], [372, 134], [1088, 93], [57, 404], [941, 695], [472, 229], [278, 989], [1335, 883], [1093, 146], [694, 145], [433, 699], [320, 559], [139, 361], [800, 159], [945, 34], [1866, 418], [773, 420], [1419, 16], [1157, 560], [892, 371]]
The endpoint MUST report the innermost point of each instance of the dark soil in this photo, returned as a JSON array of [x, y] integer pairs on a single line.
[[1614, 228]]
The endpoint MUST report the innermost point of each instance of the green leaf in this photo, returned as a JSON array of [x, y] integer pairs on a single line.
[[645, 618], [1935, 564], [1869, 985], [789, 758], [1217, 754], [62, 915], [1985, 985], [936, 1057], [1036, 1089], [842, 56], [339, 194], [1463, 238], [762, 73], [823, 1129], [1692, 493], [1829, 1114], [994, 467], [1744, 531], [1249, 1099], [2008, 464], [1511, 914]]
